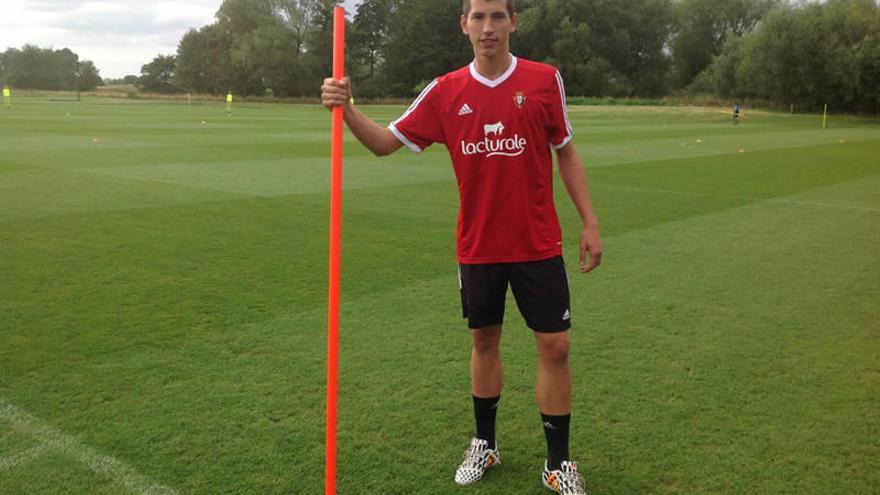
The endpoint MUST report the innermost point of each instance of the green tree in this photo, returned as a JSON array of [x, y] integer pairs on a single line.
[[317, 61], [367, 40], [868, 56], [89, 76], [3, 68], [601, 47], [807, 55], [44, 68], [246, 22], [424, 41], [703, 26], [158, 75], [204, 64], [720, 78], [250, 49], [298, 16]]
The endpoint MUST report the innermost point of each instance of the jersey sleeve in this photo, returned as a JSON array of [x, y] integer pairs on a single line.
[[420, 126], [559, 131]]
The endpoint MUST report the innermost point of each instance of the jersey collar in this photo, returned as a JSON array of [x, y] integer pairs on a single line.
[[493, 82]]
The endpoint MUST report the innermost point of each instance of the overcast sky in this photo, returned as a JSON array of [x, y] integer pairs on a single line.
[[117, 35]]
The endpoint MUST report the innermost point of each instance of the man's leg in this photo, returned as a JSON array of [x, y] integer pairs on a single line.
[[483, 290], [553, 391], [554, 398], [486, 372], [486, 383], [541, 291], [487, 379]]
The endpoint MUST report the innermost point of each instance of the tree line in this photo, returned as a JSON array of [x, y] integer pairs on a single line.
[[805, 54], [45, 68]]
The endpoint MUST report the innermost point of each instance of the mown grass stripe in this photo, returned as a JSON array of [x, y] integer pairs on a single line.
[[811, 204]]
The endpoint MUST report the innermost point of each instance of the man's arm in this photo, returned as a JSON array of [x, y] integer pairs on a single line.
[[374, 137], [571, 169]]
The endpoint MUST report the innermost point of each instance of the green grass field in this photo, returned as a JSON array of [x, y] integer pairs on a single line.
[[163, 307]]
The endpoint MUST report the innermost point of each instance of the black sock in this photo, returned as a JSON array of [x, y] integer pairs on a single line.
[[484, 412], [556, 432]]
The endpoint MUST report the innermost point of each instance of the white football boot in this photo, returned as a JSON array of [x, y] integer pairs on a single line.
[[565, 480], [477, 459]]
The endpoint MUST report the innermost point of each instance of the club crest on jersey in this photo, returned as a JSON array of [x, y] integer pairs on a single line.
[[494, 143], [519, 99]]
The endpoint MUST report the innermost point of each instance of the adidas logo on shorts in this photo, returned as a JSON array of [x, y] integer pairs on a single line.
[[566, 315]]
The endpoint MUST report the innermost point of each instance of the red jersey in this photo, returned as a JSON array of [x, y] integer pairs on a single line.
[[499, 134]]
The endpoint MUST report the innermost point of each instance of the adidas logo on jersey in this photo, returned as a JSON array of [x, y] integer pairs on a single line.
[[465, 110]]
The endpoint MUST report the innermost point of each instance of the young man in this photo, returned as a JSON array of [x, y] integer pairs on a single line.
[[736, 110], [499, 118]]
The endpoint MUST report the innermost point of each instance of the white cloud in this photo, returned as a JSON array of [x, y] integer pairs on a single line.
[[117, 35]]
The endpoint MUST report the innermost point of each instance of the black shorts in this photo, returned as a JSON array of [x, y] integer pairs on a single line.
[[540, 289]]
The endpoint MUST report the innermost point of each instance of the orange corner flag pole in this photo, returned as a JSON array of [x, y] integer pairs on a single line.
[[335, 237]]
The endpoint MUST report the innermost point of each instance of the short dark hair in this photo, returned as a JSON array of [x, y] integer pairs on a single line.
[[511, 7]]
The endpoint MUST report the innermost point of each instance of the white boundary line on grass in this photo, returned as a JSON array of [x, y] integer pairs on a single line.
[[7, 463], [741, 196], [52, 440]]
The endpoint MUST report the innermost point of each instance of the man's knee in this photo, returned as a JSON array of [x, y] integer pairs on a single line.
[[487, 340], [554, 348]]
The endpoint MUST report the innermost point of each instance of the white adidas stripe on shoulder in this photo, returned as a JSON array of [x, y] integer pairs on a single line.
[[400, 137], [568, 129], [415, 104], [418, 101]]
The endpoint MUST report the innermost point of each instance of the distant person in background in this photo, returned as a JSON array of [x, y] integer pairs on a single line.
[[7, 97], [229, 104], [736, 109]]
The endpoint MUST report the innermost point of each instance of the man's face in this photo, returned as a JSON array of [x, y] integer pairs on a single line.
[[488, 25]]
